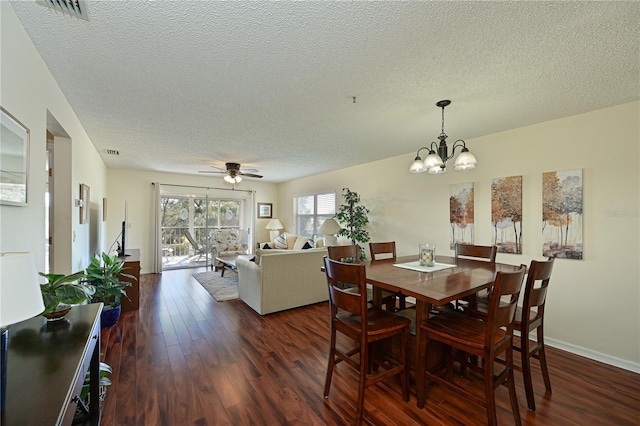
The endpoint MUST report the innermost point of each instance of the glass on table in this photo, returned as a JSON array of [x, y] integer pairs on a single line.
[[427, 254]]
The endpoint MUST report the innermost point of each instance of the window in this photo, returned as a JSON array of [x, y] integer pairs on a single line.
[[310, 211]]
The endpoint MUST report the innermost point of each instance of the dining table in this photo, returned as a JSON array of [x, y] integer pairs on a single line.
[[433, 287]]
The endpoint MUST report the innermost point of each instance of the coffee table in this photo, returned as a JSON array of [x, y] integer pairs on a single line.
[[229, 262]]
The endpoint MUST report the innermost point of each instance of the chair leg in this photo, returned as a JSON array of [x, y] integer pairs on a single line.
[[364, 361], [511, 384], [525, 355], [332, 362], [402, 302], [490, 398], [543, 360]]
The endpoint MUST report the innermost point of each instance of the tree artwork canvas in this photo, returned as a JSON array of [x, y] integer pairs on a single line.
[[506, 214], [562, 214], [461, 213]]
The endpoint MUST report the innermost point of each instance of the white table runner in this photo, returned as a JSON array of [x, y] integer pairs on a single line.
[[416, 266]]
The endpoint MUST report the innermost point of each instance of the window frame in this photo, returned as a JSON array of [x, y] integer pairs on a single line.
[[317, 219]]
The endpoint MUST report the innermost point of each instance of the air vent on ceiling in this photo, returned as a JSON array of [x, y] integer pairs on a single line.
[[77, 8], [112, 152]]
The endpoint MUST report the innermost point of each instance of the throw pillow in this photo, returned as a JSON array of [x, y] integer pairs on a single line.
[[300, 241], [266, 246], [281, 242], [307, 246]]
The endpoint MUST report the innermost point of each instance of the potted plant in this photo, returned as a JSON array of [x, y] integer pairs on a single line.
[[105, 273], [61, 291], [353, 216]]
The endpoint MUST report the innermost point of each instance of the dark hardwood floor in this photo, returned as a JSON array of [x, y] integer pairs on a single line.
[[184, 358]]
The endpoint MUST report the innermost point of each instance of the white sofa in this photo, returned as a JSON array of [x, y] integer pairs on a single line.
[[282, 279]]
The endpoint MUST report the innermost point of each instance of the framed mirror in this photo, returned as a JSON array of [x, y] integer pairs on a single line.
[[14, 160]]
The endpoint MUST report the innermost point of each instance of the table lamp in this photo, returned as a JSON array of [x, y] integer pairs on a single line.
[[274, 226], [329, 228], [20, 299]]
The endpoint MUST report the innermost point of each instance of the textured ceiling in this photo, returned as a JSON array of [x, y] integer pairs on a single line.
[[177, 86]]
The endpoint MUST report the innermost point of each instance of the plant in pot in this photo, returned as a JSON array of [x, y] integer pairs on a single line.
[[105, 273], [61, 291], [353, 216]]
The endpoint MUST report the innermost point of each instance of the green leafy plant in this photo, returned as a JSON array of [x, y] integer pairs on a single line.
[[104, 274], [353, 216], [64, 289]]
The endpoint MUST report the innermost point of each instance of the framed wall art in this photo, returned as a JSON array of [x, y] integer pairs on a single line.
[[562, 214], [84, 203], [14, 160], [265, 210], [461, 213], [506, 214]]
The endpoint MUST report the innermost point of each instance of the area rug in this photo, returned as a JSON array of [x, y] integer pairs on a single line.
[[221, 288]]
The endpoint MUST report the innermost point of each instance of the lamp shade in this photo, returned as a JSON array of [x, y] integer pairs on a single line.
[[329, 227], [274, 225], [20, 296], [465, 161]]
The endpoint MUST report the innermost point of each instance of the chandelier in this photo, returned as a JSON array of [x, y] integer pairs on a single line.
[[436, 160]]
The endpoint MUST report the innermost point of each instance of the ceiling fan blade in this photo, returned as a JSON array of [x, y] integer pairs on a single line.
[[253, 175], [249, 171], [212, 171]]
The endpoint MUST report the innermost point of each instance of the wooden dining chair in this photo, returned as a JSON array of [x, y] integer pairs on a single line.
[[351, 254], [476, 252], [350, 316], [471, 251], [387, 250], [487, 339], [528, 318]]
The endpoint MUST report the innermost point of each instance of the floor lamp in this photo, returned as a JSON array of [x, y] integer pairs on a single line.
[[21, 300]]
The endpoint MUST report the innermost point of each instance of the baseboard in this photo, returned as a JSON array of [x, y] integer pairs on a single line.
[[596, 356], [578, 350]]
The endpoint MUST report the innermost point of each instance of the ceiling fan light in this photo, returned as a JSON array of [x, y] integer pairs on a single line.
[[238, 179], [417, 166], [229, 179], [465, 161]]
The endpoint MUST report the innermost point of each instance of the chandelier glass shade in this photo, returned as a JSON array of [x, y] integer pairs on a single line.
[[436, 160]]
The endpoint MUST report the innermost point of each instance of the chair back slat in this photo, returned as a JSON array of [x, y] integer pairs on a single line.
[[535, 294], [503, 302], [341, 275], [479, 252], [350, 253], [388, 249]]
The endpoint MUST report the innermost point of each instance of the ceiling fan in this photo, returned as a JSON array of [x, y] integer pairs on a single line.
[[233, 172]]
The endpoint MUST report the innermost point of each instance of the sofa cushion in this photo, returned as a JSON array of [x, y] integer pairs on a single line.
[[281, 242], [291, 240]]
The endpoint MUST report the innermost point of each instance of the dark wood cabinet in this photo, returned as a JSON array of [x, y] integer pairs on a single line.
[[131, 267], [46, 366]]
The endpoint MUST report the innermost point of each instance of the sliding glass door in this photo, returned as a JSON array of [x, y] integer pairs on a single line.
[[190, 225]]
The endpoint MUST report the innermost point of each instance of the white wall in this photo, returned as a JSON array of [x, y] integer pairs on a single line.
[[594, 303], [28, 91], [135, 187]]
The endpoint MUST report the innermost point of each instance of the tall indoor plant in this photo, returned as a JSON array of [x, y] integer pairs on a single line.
[[353, 216], [105, 273]]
